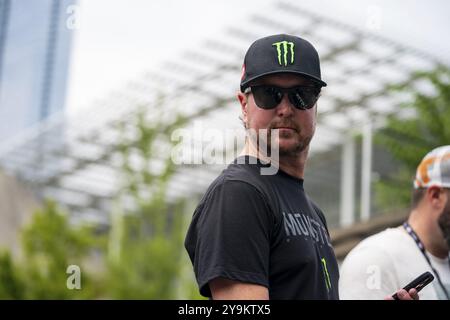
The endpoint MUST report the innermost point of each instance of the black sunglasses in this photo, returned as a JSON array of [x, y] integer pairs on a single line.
[[268, 97]]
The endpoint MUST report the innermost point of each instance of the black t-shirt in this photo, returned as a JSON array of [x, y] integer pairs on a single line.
[[262, 229]]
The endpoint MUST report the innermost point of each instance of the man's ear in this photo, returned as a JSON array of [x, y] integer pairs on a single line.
[[436, 197], [243, 101]]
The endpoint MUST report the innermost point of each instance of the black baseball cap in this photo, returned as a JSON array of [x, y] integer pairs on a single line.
[[281, 53]]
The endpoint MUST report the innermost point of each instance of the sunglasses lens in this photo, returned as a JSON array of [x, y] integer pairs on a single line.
[[267, 97], [303, 97]]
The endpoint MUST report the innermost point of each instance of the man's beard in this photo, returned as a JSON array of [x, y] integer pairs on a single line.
[[264, 140], [293, 151], [301, 141], [444, 222]]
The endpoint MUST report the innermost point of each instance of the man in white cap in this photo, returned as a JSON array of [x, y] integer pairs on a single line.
[[392, 258]]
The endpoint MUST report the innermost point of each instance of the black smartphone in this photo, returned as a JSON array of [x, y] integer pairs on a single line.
[[418, 283]]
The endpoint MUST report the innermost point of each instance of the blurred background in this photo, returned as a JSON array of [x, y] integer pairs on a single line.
[[92, 93]]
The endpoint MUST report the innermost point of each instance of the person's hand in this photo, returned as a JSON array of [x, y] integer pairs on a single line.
[[403, 295]]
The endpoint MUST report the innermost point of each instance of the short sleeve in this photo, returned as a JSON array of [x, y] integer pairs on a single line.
[[229, 236]]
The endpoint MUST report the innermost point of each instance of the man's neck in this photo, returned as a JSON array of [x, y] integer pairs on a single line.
[[429, 233], [294, 166]]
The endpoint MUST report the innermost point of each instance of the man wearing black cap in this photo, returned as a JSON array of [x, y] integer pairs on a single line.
[[256, 235]]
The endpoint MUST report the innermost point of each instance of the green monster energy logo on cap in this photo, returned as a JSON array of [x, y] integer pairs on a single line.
[[282, 52]]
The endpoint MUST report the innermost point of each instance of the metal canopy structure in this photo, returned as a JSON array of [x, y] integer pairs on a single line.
[[75, 161]]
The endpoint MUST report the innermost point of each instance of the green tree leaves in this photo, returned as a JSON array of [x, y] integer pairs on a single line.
[[409, 138], [141, 255]]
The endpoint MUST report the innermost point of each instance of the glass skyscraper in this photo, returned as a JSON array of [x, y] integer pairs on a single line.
[[35, 40]]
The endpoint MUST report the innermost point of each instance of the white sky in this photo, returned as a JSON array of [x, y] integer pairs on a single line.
[[117, 40]]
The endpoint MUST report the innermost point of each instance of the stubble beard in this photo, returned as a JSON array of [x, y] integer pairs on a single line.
[[263, 140], [444, 223]]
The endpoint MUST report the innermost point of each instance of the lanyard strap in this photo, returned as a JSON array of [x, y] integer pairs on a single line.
[[422, 249]]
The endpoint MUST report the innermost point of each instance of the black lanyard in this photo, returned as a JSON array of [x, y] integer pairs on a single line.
[[422, 249]]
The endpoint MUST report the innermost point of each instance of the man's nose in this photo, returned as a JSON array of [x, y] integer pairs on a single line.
[[285, 108]]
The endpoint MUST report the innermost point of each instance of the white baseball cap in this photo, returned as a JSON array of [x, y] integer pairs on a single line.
[[434, 170]]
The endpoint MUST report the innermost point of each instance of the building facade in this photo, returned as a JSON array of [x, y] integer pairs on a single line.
[[35, 41]]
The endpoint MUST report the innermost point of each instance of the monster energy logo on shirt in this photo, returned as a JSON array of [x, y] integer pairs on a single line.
[[299, 224], [282, 52], [326, 274]]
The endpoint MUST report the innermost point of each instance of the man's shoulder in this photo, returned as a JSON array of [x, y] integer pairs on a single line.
[[238, 176], [384, 239], [242, 169], [242, 174], [234, 188], [389, 245]]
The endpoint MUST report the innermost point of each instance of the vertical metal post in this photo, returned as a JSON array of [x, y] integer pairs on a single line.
[[366, 168], [347, 203]]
